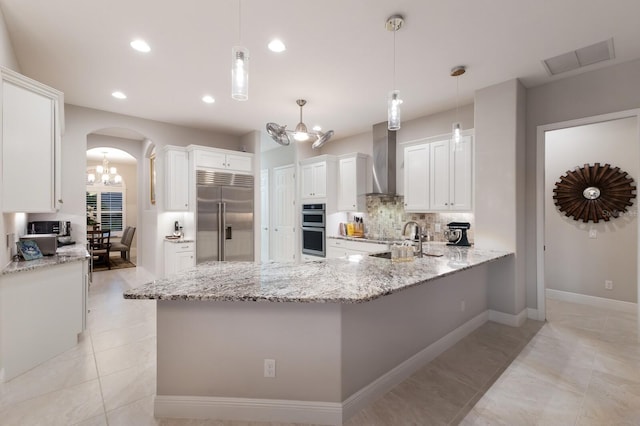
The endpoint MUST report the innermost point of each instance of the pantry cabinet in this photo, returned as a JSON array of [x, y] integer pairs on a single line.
[[439, 175], [32, 123], [317, 174], [178, 256], [352, 182], [176, 178]]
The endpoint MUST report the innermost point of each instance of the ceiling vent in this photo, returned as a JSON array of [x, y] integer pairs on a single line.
[[602, 51]]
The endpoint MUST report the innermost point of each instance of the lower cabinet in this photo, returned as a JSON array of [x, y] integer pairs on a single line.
[[42, 311], [340, 248], [178, 256]]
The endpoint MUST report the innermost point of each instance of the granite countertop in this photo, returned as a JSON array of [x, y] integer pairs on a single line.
[[355, 279], [64, 254], [179, 240]]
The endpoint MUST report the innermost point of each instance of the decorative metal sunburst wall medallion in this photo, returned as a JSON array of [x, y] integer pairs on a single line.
[[594, 192]]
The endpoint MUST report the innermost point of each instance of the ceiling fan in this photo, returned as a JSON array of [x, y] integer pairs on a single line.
[[280, 134]]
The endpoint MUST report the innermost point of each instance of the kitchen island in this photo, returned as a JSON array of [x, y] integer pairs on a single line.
[[341, 331]]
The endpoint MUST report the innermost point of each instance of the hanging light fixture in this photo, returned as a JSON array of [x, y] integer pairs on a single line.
[[280, 134], [394, 23], [455, 128], [239, 65], [108, 175]]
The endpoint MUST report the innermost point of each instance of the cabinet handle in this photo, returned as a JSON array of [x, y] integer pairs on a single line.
[[60, 201], [446, 204]]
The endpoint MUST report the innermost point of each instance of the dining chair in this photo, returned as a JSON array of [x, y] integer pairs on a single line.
[[99, 245]]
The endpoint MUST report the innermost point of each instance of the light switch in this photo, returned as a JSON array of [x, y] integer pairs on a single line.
[[593, 233]]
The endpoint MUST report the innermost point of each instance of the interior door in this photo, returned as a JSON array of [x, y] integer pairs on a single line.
[[284, 215], [237, 229], [207, 222], [264, 215]]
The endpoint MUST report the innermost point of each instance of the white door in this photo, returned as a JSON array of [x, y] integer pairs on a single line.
[[284, 215], [264, 215]]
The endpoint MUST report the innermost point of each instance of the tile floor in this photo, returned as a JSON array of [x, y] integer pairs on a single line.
[[580, 368]]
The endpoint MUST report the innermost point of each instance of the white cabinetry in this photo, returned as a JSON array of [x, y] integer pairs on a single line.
[[339, 248], [176, 178], [222, 159], [31, 130], [178, 256], [416, 178], [318, 174], [352, 182], [41, 313], [438, 176]]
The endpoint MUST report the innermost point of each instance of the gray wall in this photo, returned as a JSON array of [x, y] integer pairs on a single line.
[[574, 262], [606, 90]]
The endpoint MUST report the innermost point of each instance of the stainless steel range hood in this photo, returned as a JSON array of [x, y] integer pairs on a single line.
[[384, 160]]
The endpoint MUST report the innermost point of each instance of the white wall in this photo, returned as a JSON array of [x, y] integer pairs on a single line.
[[499, 185], [574, 262], [612, 89]]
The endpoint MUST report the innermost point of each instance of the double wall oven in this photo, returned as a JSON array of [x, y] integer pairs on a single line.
[[313, 229]]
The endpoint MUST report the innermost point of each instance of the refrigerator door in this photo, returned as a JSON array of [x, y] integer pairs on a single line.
[[208, 218], [238, 223]]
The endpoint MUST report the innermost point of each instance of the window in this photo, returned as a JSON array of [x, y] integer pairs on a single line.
[[108, 203]]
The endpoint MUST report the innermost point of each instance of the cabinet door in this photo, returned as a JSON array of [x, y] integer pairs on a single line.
[[416, 178], [215, 160], [307, 181], [320, 180], [461, 175], [28, 150], [347, 187], [184, 260], [240, 163], [177, 180], [439, 176]]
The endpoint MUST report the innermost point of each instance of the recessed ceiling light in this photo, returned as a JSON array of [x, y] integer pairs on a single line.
[[277, 46], [317, 128], [208, 99], [140, 45], [119, 95]]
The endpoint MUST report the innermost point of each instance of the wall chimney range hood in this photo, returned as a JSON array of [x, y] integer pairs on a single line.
[[384, 160]]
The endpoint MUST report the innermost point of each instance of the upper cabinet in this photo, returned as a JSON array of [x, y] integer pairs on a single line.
[[317, 174], [224, 160], [176, 178], [438, 176], [352, 182], [32, 124]]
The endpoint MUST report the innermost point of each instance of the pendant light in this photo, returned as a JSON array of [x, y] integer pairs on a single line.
[[455, 128], [240, 65], [394, 23]]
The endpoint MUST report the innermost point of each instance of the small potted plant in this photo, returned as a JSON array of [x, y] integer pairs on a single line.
[[92, 220]]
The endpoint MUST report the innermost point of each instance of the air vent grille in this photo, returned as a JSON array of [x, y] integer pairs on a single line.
[[598, 52], [209, 178]]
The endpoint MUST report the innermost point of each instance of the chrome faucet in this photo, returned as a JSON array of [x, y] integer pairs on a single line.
[[418, 235]]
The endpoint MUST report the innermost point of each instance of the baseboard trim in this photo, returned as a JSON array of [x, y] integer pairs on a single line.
[[533, 314], [248, 409], [508, 319], [397, 375], [599, 302]]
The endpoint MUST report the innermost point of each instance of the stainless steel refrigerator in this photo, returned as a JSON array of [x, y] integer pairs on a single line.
[[224, 216]]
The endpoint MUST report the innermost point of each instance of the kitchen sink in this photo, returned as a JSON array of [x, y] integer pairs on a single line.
[[387, 255]]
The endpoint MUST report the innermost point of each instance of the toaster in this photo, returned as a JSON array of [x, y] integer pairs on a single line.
[[47, 243]]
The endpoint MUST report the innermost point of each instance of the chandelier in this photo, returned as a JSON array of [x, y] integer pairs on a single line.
[[281, 134], [108, 175]]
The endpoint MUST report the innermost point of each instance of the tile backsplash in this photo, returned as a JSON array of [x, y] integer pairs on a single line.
[[385, 218]]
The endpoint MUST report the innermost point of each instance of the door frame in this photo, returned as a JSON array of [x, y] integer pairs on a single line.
[[540, 195]]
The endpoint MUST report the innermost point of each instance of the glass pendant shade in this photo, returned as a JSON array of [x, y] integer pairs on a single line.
[[240, 73], [301, 133], [393, 110], [456, 132], [91, 178], [99, 169]]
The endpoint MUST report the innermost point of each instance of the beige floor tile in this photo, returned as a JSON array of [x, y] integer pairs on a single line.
[[100, 420], [138, 354], [65, 407], [127, 386], [56, 374], [124, 335], [138, 413], [611, 400]]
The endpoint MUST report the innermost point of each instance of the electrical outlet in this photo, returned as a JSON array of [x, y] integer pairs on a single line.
[[593, 233], [270, 368], [608, 285], [463, 306]]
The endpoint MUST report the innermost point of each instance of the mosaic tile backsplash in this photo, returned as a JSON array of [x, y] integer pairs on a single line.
[[385, 218]]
